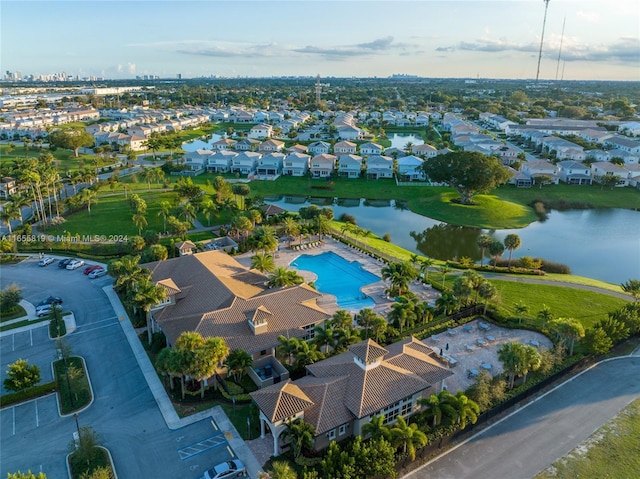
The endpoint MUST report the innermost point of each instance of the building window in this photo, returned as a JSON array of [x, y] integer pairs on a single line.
[[332, 434], [342, 430], [309, 332], [263, 352]]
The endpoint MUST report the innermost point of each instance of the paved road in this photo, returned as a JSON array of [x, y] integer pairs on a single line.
[[124, 412], [531, 439]]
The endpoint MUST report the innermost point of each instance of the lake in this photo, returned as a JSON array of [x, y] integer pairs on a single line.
[[399, 140], [599, 243], [201, 144]]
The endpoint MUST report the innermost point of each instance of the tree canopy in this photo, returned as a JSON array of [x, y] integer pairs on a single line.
[[468, 172]]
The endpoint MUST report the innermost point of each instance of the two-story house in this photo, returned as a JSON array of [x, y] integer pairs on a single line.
[[379, 166], [350, 166], [323, 165], [295, 164]]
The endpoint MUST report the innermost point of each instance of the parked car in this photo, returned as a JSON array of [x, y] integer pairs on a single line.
[[75, 264], [224, 470], [97, 273], [90, 268], [50, 300], [47, 260], [63, 263], [45, 310]]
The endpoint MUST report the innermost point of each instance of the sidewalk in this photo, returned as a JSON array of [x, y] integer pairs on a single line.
[[167, 410]]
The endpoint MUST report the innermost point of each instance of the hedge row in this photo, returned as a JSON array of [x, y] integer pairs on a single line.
[[28, 394]]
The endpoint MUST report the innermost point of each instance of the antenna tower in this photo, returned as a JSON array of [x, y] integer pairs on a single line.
[[318, 90], [544, 22], [560, 51]]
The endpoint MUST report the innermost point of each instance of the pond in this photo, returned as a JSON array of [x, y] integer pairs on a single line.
[[400, 140], [600, 243], [201, 144]]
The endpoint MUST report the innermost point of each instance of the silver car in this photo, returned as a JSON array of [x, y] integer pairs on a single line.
[[225, 470], [75, 264], [47, 260]]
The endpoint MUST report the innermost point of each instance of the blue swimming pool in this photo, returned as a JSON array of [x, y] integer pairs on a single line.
[[339, 277]]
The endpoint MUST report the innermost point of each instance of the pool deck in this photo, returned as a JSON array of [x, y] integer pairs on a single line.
[[284, 256]]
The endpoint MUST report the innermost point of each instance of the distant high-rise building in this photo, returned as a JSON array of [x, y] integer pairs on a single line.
[[179, 76]]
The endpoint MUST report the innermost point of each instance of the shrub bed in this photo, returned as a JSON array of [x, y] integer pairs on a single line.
[[74, 394]]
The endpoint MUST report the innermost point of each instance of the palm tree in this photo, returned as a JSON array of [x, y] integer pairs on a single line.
[[466, 409], [520, 309], [518, 359], [87, 196], [325, 336], [487, 291], [425, 264], [139, 221], [306, 354], [408, 437], [341, 319], [365, 319], [188, 211], [265, 238], [569, 330], [632, 287], [287, 348], [545, 315], [263, 262], [206, 360], [512, 242], [496, 248], [290, 228], [347, 337], [147, 295], [376, 428], [9, 213], [444, 269], [282, 277], [301, 435], [237, 362], [484, 242], [446, 303], [208, 207], [399, 275], [439, 406], [165, 211], [401, 315]]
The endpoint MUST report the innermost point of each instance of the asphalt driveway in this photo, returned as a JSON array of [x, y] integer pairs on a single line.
[[532, 438], [124, 412]]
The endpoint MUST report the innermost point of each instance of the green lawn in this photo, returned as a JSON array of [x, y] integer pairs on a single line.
[[613, 451], [586, 306], [65, 159]]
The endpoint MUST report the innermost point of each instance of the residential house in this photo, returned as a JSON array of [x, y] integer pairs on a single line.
[[214, 295], [519, 179], [344, 148], [600, 169], [297, 148], [271, 146], [424, 151], [379, 166], [185, 248], [261, 132], [410, 169], [350, 166], [223, 144], [319, 147], [323, 165], [246, 144], [574, 173], [541, 168], [623, 143], [631, 128], [245, 162], [371, 149], [295, 164], [349, 132], [220, 161], [197, 160], [270, 164], [340, 394], [422, 120]]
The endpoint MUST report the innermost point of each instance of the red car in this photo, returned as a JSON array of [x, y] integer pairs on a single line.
[[91, 268]]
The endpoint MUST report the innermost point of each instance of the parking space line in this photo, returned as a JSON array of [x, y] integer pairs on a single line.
[[37, 415], [31, 336], [200, 447], [88, 330], [13, 410]]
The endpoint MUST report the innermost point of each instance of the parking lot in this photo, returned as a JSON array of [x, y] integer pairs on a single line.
[[124, 413]]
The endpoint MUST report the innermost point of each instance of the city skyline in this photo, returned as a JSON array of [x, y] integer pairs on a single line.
[[474, 38]]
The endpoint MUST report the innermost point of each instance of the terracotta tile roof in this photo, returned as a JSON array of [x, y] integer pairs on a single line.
[[368, 351], [218, 296], [280, 401], [170, 287], [329, 410]]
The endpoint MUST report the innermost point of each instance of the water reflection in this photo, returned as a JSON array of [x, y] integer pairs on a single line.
[[444, 241]]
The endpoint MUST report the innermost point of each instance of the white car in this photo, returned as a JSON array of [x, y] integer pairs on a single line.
[[47, 260], [97, 273], [46, 310], [75, 264]]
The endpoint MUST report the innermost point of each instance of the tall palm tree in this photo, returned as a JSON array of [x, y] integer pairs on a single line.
[[188, 211], [342, 319], [466, 409], [88, 196], [306, 354], [324, 336], [569, 330], [425, 264], [444, 269], [518, 359], [408, 437], [237, 362], [399, 275], [496, 248], [487, 291], [140, 221], [347, 337], [520, 309], [206, 360], [365, 319], [484, 242], [9, 213], [290, 228], [208, 207], [165, 211], [287, 348], [545, 315], [263, 262], [282, 277], [147, 295], [512, 242]]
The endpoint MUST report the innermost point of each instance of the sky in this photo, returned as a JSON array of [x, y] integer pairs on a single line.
[[262, 38]]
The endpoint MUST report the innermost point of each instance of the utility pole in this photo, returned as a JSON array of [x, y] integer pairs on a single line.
[[318, 91], [544, 21], [560, 51]]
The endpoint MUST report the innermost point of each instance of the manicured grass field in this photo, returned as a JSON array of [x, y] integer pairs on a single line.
[[64, 159], [586, 306], [613, 451]]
